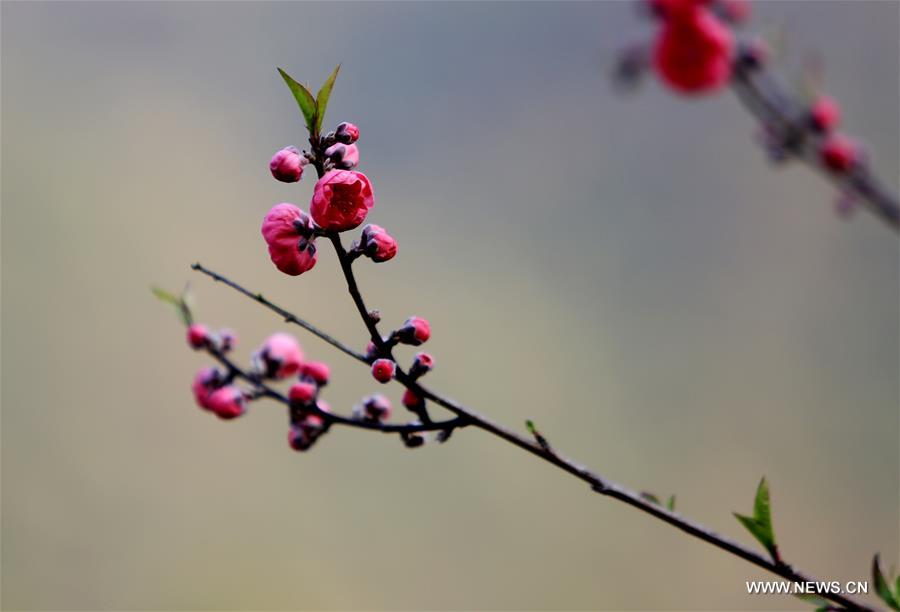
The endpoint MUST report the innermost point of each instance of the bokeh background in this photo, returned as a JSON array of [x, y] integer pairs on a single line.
[[628, 271]]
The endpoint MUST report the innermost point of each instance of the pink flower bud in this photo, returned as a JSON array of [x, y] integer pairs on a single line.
[[316, 371], [383, 370], [303, 435], [302, 393], [197, 335], [227, 403], [372, 351], [287, 165], [411, 400], [374, 409], [693, 51], [346, 133], [280, 356], [415, 331], [206, 381], [344, 157], [839, 153], [422, 363], [341, 200], [289, 233], [225, 340], [377, 244], [825, 114]]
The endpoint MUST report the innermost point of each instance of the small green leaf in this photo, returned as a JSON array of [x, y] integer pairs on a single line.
[[165, 296], [181, 303], [304, 98], [323, 96], [650, 497], [671, 503], [881, 586], [529, 425], [760, 524]]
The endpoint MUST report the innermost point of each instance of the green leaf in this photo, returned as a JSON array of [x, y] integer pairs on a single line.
[[304, 98], [881, 586], [650, 497], [323, 96], [760, 524], [671, 503], [181, 303], [165, 296]]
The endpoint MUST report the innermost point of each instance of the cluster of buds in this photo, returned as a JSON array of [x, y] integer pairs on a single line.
[[696, 50], [341, 201], [279, 358]]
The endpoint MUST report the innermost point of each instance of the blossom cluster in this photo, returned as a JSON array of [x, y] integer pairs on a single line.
[[341, 201], [696, 50]]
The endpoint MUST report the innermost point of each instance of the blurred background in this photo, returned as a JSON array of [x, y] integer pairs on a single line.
[[628, 271]]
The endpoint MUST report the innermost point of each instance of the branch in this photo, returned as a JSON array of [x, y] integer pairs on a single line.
[[598, 483], [764, 97]]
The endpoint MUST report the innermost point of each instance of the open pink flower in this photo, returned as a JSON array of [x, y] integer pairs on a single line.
[[341, 200], [289, 233]]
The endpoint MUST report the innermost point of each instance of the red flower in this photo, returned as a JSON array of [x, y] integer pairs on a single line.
[[289, 233], [693, 51], [341, 200]]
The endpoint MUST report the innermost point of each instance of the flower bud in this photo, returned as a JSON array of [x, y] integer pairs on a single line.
[[411, 400], [825, 114], [287, 165], [280, 356], [693, 51], [341, 200], [316, 371], [226, 340], [413, 439], [839, 153], [288, 231], [302, 393], [344, 157], [228, 402], [422, 363], [372, 351], [383, 370], [346, 133], [415, 331], [197, 335], [302, 435], [206, 381], [373, 409], [377, 244]]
